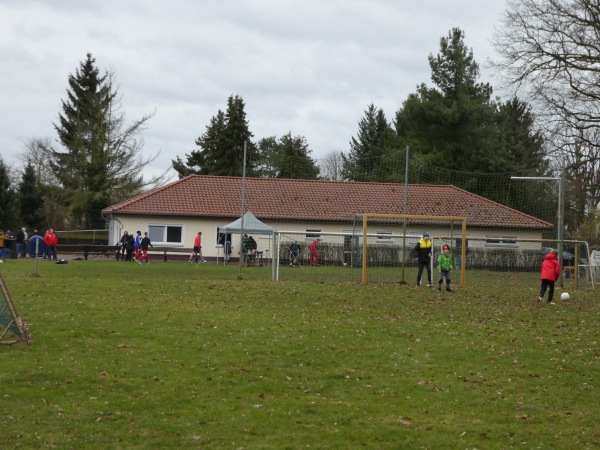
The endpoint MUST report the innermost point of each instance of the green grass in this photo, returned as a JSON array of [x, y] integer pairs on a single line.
[[178, 356]]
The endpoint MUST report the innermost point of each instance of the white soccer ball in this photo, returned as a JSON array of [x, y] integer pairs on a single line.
[[565, 296], [1, 262]]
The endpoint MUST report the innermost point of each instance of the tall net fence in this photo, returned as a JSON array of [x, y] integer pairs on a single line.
[[388, 258], [343, 257]]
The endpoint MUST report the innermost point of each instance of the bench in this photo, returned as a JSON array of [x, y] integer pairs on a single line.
[[88, 250]]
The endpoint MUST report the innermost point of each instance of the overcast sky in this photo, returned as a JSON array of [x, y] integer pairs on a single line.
[[307, 67]]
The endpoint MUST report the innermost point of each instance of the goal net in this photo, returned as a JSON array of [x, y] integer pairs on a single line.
[[12, 328], [386, 243], [378, 249]]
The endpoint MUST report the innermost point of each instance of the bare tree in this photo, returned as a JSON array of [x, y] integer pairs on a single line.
[[38, 152], [331, 166], [550, 52]]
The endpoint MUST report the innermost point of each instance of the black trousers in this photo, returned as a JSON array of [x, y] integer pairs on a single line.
[[547, 284], [424, 265]]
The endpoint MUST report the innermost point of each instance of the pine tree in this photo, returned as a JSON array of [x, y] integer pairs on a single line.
[[453, 125], [101, 163], [8, 210], [366, 149], [31, 201], [222, 145]]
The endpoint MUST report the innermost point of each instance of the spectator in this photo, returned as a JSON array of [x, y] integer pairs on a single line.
[[227, 250], [21, 238], [51, 241], [2, 250], [129, 247], [245, 250], [123, 243]]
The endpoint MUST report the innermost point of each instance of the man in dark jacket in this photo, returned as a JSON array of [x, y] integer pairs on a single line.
[[423, 251]]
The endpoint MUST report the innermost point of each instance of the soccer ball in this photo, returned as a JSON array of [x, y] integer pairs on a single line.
[[565, 296]]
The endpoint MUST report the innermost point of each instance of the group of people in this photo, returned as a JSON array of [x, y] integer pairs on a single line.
[[423, 252], [249, 247], [46, 245], [313, 252], [135, 248], [550, 271]]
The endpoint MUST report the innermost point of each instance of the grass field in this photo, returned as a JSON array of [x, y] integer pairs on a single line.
[[184, 357]]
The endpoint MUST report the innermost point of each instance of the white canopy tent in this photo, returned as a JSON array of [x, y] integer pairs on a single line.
[[249, 224]]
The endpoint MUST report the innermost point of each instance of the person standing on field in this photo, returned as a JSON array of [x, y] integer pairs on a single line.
[[197, 253], [51, 241], [445, 266], [21, 238], [314, 253], [144, 244], [123, 243], [136, 245], [129, 247], [550, 273], [423, 251]]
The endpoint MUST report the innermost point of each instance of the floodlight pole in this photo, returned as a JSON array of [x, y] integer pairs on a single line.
[[405, 213], [243, 257], [561, 209]]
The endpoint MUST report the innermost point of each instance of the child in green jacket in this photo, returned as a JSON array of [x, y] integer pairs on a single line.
[[445, 266]]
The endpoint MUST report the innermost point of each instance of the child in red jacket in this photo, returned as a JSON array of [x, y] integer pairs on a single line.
[[550, 273]]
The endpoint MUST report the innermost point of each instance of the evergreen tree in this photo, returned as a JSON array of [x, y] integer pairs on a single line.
[[288, 157], [366, 149], [222, 145], [8, 209], [102, 163], [268, 158], [453, 125], [202, 162], [31, 201]]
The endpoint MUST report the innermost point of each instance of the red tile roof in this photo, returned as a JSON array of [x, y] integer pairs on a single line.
[[315, 200]]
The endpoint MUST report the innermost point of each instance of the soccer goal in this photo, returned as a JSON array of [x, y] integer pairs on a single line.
[[12, 328], [320, 255], [385, 243]]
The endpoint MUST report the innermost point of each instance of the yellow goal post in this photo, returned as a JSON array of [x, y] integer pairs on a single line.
[[419, 219]]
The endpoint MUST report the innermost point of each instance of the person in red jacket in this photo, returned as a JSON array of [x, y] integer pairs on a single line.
[[51, 241], [197, 253], [550, 273], [314, 254]]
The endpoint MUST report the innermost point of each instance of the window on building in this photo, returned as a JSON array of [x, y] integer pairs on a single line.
[[312, 234], [413, 238], [161, 234], [384, 237], [498, 240], [222, 238]]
